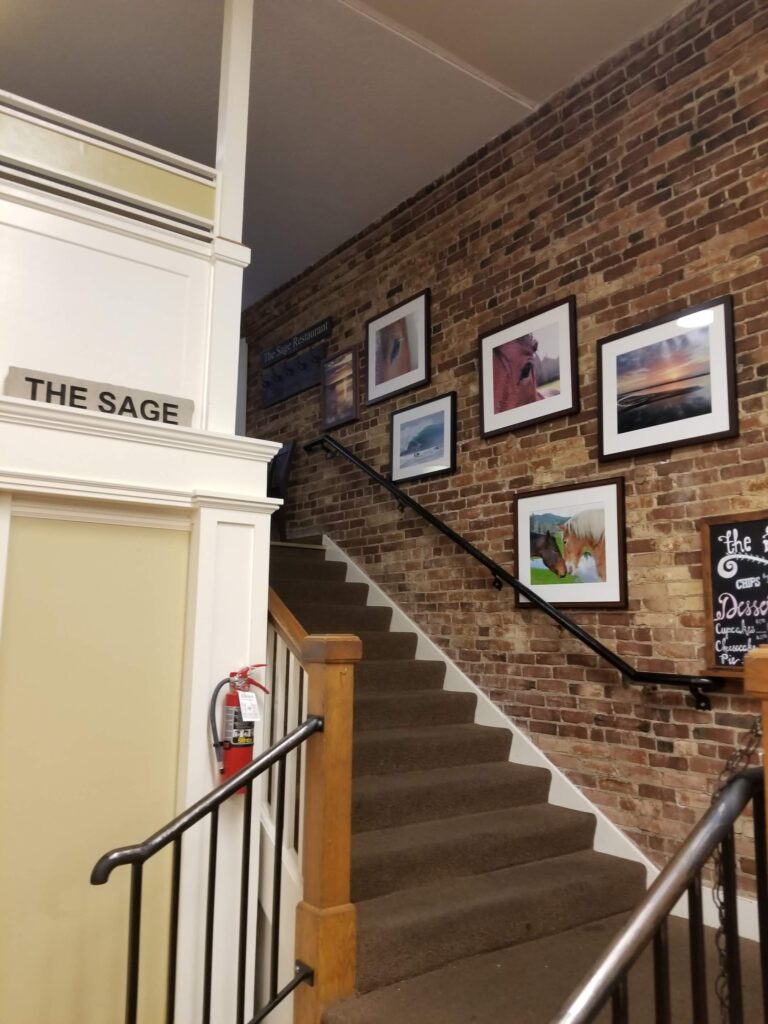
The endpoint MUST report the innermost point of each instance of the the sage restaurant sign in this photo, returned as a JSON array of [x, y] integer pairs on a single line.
[[74, 393], [299, 341], [735, 558]]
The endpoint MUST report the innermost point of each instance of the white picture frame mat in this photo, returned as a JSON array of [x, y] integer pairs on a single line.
[[559, 318], [418, 412], [413, 313], [607, 497]]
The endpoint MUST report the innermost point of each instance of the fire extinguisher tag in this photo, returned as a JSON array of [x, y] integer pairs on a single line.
[[249, 706]]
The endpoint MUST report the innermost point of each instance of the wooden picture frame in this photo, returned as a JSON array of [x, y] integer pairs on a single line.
[[570, 545], [340, 389], [734, 555], [423, 439], [668, 383], [397, 348], [529, 369]]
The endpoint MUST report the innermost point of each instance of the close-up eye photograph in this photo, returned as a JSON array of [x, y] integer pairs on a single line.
[[383, 511]]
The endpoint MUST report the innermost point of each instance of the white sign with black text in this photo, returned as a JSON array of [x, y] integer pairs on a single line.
[[73, 393]]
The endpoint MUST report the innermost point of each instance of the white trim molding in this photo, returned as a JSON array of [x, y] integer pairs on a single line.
[[72, 453]]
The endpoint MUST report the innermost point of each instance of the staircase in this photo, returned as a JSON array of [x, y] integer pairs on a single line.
[[476, 899]]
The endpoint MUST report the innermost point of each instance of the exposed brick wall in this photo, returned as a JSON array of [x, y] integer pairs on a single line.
[[640, 190]]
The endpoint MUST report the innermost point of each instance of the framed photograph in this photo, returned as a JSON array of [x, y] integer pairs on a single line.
[[528, 370], [397, 345], [570, 545], [423, 439], [734, 558], [340, 389], [669, 383]]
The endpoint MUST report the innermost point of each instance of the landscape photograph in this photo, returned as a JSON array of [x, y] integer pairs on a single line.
[[667, 381]]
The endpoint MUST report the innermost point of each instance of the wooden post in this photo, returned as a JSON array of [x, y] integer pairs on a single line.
[[756, 685], [325, 919]]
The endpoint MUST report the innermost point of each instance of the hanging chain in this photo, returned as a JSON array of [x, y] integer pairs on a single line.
[[740, 759]]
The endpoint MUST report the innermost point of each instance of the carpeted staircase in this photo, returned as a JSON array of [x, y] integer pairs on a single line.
[[456, 853]]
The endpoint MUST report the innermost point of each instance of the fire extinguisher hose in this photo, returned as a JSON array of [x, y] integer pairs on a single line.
[[217, 746]]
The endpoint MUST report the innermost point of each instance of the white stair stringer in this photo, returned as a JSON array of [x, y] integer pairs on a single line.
[[608, 838]]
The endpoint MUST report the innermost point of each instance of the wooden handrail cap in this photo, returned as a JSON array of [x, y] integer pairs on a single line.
[[756, 672], [332, 648]]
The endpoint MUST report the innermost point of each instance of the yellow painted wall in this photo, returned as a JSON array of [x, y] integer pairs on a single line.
[[90, 679]]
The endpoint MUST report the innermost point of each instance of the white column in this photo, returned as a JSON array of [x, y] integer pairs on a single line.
[[228, 256], [232, 138], [226, 628]]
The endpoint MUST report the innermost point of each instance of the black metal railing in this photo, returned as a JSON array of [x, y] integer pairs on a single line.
[[698, 685], [608, 979], [208, 807]]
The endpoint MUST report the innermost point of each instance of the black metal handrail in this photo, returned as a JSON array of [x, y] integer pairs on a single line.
[[608, 978], [698, 685], [208, 806]]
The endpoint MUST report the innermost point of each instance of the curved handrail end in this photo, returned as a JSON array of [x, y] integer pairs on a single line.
[[105, 865]]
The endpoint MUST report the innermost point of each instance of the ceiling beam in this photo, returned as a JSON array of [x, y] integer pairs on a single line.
[[415, 39]]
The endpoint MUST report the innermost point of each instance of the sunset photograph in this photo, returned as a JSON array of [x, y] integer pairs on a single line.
[[667, 381]]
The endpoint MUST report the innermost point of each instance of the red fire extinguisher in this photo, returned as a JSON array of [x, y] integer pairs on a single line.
[[235, 748]]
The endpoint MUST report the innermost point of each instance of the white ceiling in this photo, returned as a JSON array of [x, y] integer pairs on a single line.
[[354, 105]]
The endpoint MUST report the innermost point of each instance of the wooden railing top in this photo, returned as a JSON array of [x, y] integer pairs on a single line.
[[286, 623]]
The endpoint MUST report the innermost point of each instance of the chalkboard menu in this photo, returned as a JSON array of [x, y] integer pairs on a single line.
[[735, 557]]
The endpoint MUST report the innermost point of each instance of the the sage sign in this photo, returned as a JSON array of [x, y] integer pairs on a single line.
[[74, 393], [735, 552]]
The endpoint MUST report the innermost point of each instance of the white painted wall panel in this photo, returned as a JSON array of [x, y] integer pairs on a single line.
[[89, 302]]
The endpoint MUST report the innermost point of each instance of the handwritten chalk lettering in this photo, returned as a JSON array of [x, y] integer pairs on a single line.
[[733, 544], [748, 583], [729, 607], [736, 579]]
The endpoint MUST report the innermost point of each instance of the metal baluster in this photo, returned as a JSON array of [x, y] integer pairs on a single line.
[[761, 867], [697, 953], [245, 868], [277, 879], [661, 974], [620, 1003], [173, 937], [732, 952], [298, 803], [134, 939], [210, 905]]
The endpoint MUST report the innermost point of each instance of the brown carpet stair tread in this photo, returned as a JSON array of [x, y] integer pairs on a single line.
[[417, 707], [377, 751], [321, 591], [407, 933], [290, 568], [381, 646], [395, 859], [528, 983], [398, 676], [385, 801], [342, 618]]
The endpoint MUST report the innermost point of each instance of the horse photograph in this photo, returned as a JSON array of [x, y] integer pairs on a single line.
[[525, 370], [570, 544], [584, 545], [528, 369]]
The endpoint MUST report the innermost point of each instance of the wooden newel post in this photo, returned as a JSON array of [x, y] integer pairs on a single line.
[[325, 919], [756, 685]]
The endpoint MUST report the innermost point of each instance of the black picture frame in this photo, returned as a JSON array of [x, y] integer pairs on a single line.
[[397, 348], [640, 406], [340, 389], [557, 526], [529, 369], [422, 439]]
